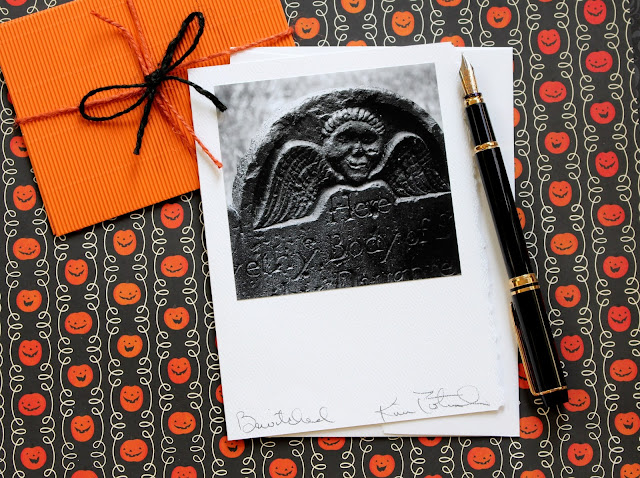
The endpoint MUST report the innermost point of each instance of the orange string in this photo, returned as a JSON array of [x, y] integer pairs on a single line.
[[141, 51]]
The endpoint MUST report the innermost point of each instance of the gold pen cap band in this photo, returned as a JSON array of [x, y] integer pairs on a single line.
[[485, 146]]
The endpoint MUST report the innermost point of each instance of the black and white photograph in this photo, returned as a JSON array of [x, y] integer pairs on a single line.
[[337, 180]]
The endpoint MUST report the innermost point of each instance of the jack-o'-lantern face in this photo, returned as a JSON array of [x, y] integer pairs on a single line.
[[607, 164], [29, 300], [521, 217], [595, 11], [449, 3], [134, 450], [611, 215], [516, 117], [568, 295], [181, 423], [32, 404], [580, 454], [184, 472], [307, 28], [17, 145], [599, 61], [557, 142], [623, 370], [481, 458], [627, 423], [30, 352], [174, 266], [330, 443], [231, 448], [131, 398], [127, 293], [403, 23], [616, 266], [283, 468], [78, 323], [602, 113], [619, 318], [357, 43], [430, 441], [82, 428], [564, 244], [530, 427], [172, 215], [125, 242], [84, 474], [76, 271], [630, 470], [382, 465], [549, 41], [579, 400], [26, 248], [179, 370], [24, 197], [572, 347], [523, 382], [455, 40], [517, 166], [33, 458], [219, 396], [353, 6], [533, 474], [80, 376], [499, 17], [553, 91], [130, 346], [176, 318], [560, 193]]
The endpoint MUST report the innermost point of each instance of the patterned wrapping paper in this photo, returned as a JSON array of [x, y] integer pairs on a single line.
[[596, 436]]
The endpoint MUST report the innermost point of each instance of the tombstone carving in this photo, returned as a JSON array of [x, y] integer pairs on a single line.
[[345, 188]]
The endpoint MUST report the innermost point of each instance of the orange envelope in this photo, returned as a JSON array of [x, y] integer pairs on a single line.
[[86, 170]]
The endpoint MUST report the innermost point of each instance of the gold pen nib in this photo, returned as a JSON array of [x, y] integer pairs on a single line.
[[468, 78]]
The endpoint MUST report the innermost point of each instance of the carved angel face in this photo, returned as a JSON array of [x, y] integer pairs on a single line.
[[354, 149]]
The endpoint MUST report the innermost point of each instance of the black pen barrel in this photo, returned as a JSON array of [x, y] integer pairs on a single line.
[[498, 191]]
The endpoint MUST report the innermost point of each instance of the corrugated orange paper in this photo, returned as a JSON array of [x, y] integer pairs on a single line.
[[86, 171]]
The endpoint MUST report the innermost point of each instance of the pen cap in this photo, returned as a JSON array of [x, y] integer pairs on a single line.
[[537, 347]]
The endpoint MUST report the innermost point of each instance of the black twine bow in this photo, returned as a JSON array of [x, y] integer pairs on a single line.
[[154, 80]]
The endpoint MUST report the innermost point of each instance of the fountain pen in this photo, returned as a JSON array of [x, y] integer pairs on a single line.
[[535, 341]]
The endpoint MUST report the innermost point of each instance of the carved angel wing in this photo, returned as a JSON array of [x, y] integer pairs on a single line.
[[409, 167], [299, 174]]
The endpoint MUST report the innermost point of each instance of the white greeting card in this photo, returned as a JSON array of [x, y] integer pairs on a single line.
[[348, 270]]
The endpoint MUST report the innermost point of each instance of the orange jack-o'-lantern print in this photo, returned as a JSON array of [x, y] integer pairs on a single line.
[[627, 423], [125, 242], [564, 244], [84, 474], [30, 352], [176, 318], [630, 470], [32, 404], [78, 323], [455, 40], [24, 197], [134, 451], [353, 6], [623, 370], [131, 398], [17, 142], [182, 423], [449, 3], [307, 28], [599, 61], [553, 92], [331, 443], [403, 23], [499, 17], [179, 370], [560, 193], [283, 468], [531, 427], [523, 382], [357, 43], [80, 376], [172, 215], [572, 347], [430, 441], [603, 113], [82, 428], [595, 11], [127, 293], [219, 396], [517, 166], [607, 164], [533, 474], [382, 466], [549, 41], [26, 249], [521, 217], [76, 271], [579, 400], [568, 295], [580, 454], [616, 266], [33, 458], [29, 300], [481, 458], [557, 142], [184, 472], [174, 266], [619, 318], [611, 215], [130, 346], [231, 448]]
